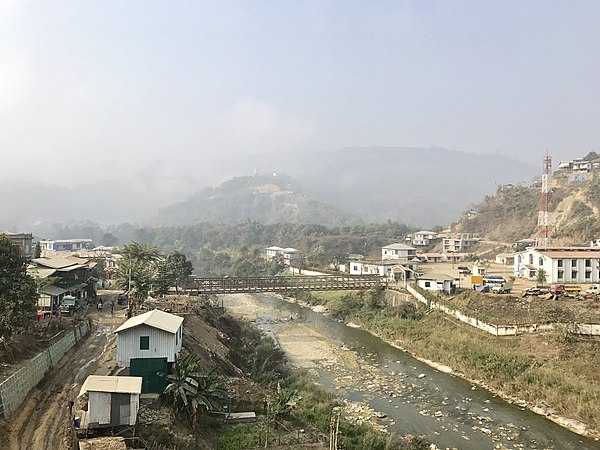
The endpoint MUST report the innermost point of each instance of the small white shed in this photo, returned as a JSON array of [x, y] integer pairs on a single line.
[[112, 401], [437, 282], [155, 334]]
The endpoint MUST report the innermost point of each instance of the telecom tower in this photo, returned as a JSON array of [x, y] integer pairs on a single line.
[[543, 225]]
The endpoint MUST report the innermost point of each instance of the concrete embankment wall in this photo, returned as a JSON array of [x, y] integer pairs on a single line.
[[16, 387], [587, 329]]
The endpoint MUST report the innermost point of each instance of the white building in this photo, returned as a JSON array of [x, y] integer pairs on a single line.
[[400, 252], [288, 255], [112, 401], [437, 282], [561, 264], [381, 268], [65, 245], [423, 238], [459, 242], [155, 334]]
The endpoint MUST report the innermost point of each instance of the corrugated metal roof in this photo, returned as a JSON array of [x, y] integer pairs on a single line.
[[56, 262], [437, 277], [52, 290], [399, 247], [41, 272], [570, 254], [103, 383], [156, 319]]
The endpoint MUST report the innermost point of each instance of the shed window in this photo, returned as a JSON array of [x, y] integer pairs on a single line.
[[177, 338], [427, 284], [144, 342]]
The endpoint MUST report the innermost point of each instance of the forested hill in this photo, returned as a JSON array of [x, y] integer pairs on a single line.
[[511, 213], [267, 199]]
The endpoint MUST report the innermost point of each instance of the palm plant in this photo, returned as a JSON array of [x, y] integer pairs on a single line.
[[281, 402], [191, 392]]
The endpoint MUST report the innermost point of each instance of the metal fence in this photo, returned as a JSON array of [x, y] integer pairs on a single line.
[[16, 387]]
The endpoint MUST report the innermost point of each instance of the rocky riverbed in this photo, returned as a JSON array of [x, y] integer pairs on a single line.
[[389, 389]]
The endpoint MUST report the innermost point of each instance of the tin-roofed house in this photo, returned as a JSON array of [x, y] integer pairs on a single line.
[[148, 344], [111, 401]]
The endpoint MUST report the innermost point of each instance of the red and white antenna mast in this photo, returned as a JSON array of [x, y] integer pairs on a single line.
[[543, 222]]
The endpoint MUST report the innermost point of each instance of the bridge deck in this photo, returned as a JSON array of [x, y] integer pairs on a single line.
[[228, 285]]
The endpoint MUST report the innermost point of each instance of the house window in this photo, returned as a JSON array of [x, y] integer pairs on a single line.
[[144, 342], [541, 261], [427, 284], [588, 275], [531, 260], [560, 263], [573, 263], [588, 263], [574, 274], [176, 338], [561, 275]]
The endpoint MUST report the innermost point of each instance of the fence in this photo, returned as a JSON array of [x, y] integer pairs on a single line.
[[16, 387], [585, 329]]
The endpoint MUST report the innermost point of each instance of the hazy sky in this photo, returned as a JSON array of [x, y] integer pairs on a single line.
[[96, 81]]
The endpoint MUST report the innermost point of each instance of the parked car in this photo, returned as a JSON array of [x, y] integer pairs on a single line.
[[536, 290], [122, 298], [464, 270]]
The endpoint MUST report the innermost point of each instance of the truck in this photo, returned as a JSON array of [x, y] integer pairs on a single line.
[[505, 288], [593, 289], [567, 288]]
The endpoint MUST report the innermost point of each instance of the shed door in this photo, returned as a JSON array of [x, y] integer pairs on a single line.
[[149, 369], [119, 409]]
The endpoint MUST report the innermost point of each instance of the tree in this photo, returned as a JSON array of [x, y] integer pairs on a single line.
[[281, 402], [137, 271], [37, 253], [542, 276], [18, 291], [179, 268], [109, 240]]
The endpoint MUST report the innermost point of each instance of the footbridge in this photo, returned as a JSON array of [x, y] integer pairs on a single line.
[[231, 285]]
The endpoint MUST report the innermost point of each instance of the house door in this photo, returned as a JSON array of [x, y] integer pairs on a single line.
[[119, 409]]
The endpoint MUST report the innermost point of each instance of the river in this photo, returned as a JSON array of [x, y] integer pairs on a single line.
[[416, 398]]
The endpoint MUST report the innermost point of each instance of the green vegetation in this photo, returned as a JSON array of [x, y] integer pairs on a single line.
[[192, 392], [143, 270], [18, 292]]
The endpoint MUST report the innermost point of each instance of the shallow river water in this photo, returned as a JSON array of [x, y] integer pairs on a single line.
[[417, 398]]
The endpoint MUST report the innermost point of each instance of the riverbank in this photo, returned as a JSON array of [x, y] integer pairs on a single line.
[[551, 374]]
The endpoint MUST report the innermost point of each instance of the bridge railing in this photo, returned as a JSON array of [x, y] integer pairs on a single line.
[[286, 284]]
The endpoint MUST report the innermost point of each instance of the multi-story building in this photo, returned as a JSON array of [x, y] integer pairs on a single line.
[[459, 242], [288, 255], [398, 252], [423, 238], [21, 240], [65, 245], [560, 264]]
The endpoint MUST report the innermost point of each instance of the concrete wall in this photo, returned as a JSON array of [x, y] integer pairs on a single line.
[[16, 387], [586, 329]]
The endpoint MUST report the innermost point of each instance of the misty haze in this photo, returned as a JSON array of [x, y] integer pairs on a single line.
[[299, 225]]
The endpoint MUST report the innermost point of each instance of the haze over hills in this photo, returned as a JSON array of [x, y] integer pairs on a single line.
[[422, 187], [264, 199], [418, 186]]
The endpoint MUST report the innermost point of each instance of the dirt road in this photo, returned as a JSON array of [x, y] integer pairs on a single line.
[[42, 420]]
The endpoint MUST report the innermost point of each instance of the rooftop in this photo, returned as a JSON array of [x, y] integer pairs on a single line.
[[155, 319], [399, 247], [437, 277], [104, 383]]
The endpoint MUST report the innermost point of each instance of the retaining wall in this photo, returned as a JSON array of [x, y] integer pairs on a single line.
[[587, 329], [16, 387]]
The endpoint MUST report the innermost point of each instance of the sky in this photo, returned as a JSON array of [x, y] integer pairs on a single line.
[[101, 84]]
